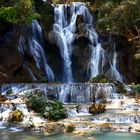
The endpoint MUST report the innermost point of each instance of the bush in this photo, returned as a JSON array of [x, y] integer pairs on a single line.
[[52, 110], [20, 12], [99, 79]]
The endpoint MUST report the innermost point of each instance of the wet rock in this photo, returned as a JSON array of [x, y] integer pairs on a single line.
[[3, 99], [15, 116], [54, 127], [69, 128], [97, 109], [137, 130], [105, 126]]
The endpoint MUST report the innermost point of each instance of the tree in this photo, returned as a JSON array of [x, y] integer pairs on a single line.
[[21, 12]]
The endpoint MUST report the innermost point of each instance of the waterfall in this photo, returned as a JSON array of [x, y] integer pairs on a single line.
[[64, 30], [76, 93], [99, 58], [64, 36], [37, 51], [117, 75], [64, 33]]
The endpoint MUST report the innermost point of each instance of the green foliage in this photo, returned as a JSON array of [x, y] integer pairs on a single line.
[[19, 13], [58, 1], [9, 14], [46, 13], [136, 88], [25, 12], [37, 102], [52, 110], [55, 111], [119, 17], [99, 79]]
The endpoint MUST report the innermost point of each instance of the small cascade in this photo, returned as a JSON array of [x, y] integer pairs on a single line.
[[79, 93], [100, 63], [37, 51], [105, 92], [21, 45], [118, 118]]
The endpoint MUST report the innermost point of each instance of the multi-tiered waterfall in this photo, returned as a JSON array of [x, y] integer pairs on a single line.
[[81, 95]]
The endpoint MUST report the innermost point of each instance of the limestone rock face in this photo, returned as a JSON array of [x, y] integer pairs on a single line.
[[126, 64], [136, 60], [11, 62], [10, 59]]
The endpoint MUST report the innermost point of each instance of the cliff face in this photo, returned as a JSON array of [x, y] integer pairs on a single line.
[[15, 67], [10, 60], [125, 53]]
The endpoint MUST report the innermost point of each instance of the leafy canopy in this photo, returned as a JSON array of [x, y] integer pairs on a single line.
[[19, 12]]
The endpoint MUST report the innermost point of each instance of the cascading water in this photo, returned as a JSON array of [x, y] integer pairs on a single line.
[[99, 58], [64, 30], [64, 36], [66, 93], [37, 51], [117, 75]]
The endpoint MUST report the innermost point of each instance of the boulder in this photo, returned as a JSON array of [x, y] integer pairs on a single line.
[[15, 116]]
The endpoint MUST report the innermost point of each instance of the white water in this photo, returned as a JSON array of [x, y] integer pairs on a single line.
[[64, 33], [116, 73], [37, 51], [66, 93]]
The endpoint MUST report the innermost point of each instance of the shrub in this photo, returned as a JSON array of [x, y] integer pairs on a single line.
[[20, 12], [52, 110]]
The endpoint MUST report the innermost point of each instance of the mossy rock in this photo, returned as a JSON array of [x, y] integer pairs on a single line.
[[105, 126], [136, 89], [70, 128], [120, 87], [15, 116], [99, 79], [54, 128], [97, 109]]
